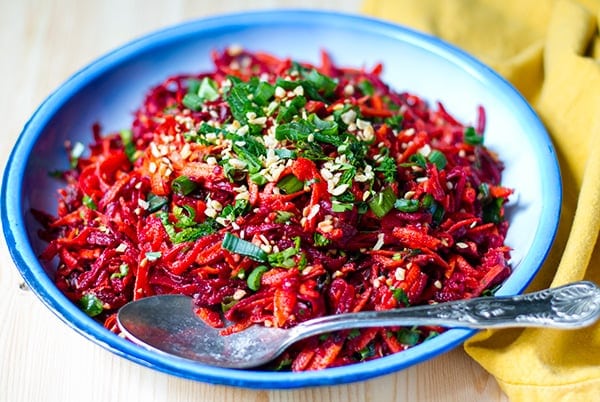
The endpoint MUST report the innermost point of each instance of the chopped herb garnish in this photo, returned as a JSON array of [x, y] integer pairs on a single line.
[[407, 205], [312, 129], [409, 336], [258, 178], [91, 304], [123, 271], [366, 87], [192, 102], [400, 296], [288, 112], [263, 93], [285, 153], [471, 137], [283, 216], [88, 202], [368, 351], [208, 90], [419, 160], [438, 159], [492, 211], [388, 168], [395, 121], [231, 212], [320, 240], [128, 145], [284, 259], [239, 98]]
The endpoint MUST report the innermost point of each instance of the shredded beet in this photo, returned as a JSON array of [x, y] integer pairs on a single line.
[[273, 192]]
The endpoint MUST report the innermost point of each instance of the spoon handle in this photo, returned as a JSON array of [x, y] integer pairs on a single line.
[[571, 306]]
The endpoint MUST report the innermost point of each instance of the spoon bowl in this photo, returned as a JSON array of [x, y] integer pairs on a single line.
[[167, 323]]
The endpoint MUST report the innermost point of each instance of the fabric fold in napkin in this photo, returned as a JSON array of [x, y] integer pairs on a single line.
[[550, 51]]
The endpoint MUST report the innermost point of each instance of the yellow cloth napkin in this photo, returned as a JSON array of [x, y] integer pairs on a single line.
[[550, 51]]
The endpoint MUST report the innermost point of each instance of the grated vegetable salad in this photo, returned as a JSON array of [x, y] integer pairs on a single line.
[[274, 191]]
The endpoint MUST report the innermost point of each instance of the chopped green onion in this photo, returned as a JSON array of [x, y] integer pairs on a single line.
[[183, 185], [366, 87], [406, 205], [283, 258], [128, 144], [382, 202], [395, 121], [193, 86], [427, 200], [320, 240], [258, 178], [434, 208], [192, 102], [290, 184], [88, 202], [227, 303], [208, 90], [236, 245], [408, 336], [283, 216], [337, 206], [91, 304], [156, 202], [418, 159], [123, 271], [255, 276], [492, 211], [484, 192], [368, 351], [185, 215], [438, 159], [400, 296], [471, 137]]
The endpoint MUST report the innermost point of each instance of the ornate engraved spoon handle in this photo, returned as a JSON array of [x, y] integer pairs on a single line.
[[571, 306]]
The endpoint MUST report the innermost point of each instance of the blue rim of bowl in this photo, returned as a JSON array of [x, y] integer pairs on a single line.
[[14, 226]]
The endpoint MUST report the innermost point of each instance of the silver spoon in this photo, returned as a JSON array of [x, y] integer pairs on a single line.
[[168, 324]]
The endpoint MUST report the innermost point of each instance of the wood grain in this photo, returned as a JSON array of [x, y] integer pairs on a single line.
[[42, 358]]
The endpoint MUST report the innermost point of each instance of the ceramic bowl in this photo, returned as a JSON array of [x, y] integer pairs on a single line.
[[109, 90]]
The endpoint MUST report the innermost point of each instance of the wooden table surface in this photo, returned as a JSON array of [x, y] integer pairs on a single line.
[[41, 358]]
